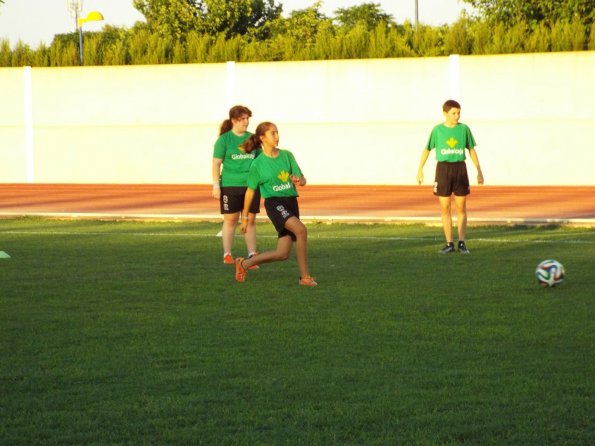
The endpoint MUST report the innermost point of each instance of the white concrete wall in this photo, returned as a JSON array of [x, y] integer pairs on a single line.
[[348, 122]]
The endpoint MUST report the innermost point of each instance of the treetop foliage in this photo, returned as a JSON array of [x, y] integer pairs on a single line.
[[534, 12], [202, 31]]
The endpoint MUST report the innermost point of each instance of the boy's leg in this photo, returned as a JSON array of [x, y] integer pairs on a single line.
[[446, 218], [461, 205]]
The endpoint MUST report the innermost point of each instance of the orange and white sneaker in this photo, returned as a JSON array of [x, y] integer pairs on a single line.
[[307, 281], [253, 267], [227, 259], [240, 270]]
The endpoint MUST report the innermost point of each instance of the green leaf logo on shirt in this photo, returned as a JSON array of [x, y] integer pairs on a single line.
[[452, 142], [283, 176]]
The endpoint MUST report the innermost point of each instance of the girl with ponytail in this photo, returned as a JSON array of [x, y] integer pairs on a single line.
[[276, 174], [230, 170]]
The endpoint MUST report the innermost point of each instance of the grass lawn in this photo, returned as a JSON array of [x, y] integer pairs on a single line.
[[136, 333]]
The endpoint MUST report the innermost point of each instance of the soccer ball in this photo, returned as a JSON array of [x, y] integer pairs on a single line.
[[549, 273]]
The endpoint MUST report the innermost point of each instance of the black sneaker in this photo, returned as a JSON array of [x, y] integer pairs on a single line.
[[463, 249], [450, 247]]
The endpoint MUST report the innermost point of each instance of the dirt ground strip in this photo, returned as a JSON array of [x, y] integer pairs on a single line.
[[512, 204]]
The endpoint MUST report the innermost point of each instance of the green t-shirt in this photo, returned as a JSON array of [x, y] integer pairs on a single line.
[[273, 175], [236, 162], [450, 142]]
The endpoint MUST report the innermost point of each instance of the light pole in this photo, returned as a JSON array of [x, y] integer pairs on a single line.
[[416, 13], [75, 7], [93, 16]]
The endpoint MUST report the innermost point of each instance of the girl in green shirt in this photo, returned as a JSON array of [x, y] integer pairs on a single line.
[[276, 174], [230, 169]]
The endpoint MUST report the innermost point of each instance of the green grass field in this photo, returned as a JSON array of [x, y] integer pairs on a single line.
[[136, 333]]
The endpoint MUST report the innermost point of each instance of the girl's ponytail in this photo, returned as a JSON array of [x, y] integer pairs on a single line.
[[225, 127], [251, 144]]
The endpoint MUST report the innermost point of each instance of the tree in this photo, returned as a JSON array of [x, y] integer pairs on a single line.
[[239, 17], [302, 25], [264, 13], [170, 18], [177, 18], [5, 53], [533, 12], [457, 39], [368, 13]]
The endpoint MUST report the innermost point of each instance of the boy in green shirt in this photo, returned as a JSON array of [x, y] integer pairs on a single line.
[[450, 139]]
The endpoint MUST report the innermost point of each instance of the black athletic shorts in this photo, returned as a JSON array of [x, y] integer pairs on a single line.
[[279, 210], [451, 178], [232, 200]]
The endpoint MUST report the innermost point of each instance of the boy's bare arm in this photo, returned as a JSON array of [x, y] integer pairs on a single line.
[[475, 159], [420, 170]]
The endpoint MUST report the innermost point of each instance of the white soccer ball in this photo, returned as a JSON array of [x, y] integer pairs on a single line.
[[549, 273]]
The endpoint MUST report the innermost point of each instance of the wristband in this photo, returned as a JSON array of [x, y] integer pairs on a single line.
[[244, 218], [216, 186]]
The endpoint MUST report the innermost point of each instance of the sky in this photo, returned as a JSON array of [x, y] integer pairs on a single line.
[[36, 21]]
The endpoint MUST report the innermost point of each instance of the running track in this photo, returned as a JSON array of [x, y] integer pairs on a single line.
[[520, 204]]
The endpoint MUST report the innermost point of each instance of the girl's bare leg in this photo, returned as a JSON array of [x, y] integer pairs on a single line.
[[250, 235], [230, 222], [295, 225], [280, 253]]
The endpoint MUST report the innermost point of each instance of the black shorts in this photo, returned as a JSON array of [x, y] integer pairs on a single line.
[[232, 200], [281, 209], [451, 178]]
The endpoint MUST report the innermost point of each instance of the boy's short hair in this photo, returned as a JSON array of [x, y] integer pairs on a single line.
[[451, 103]]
